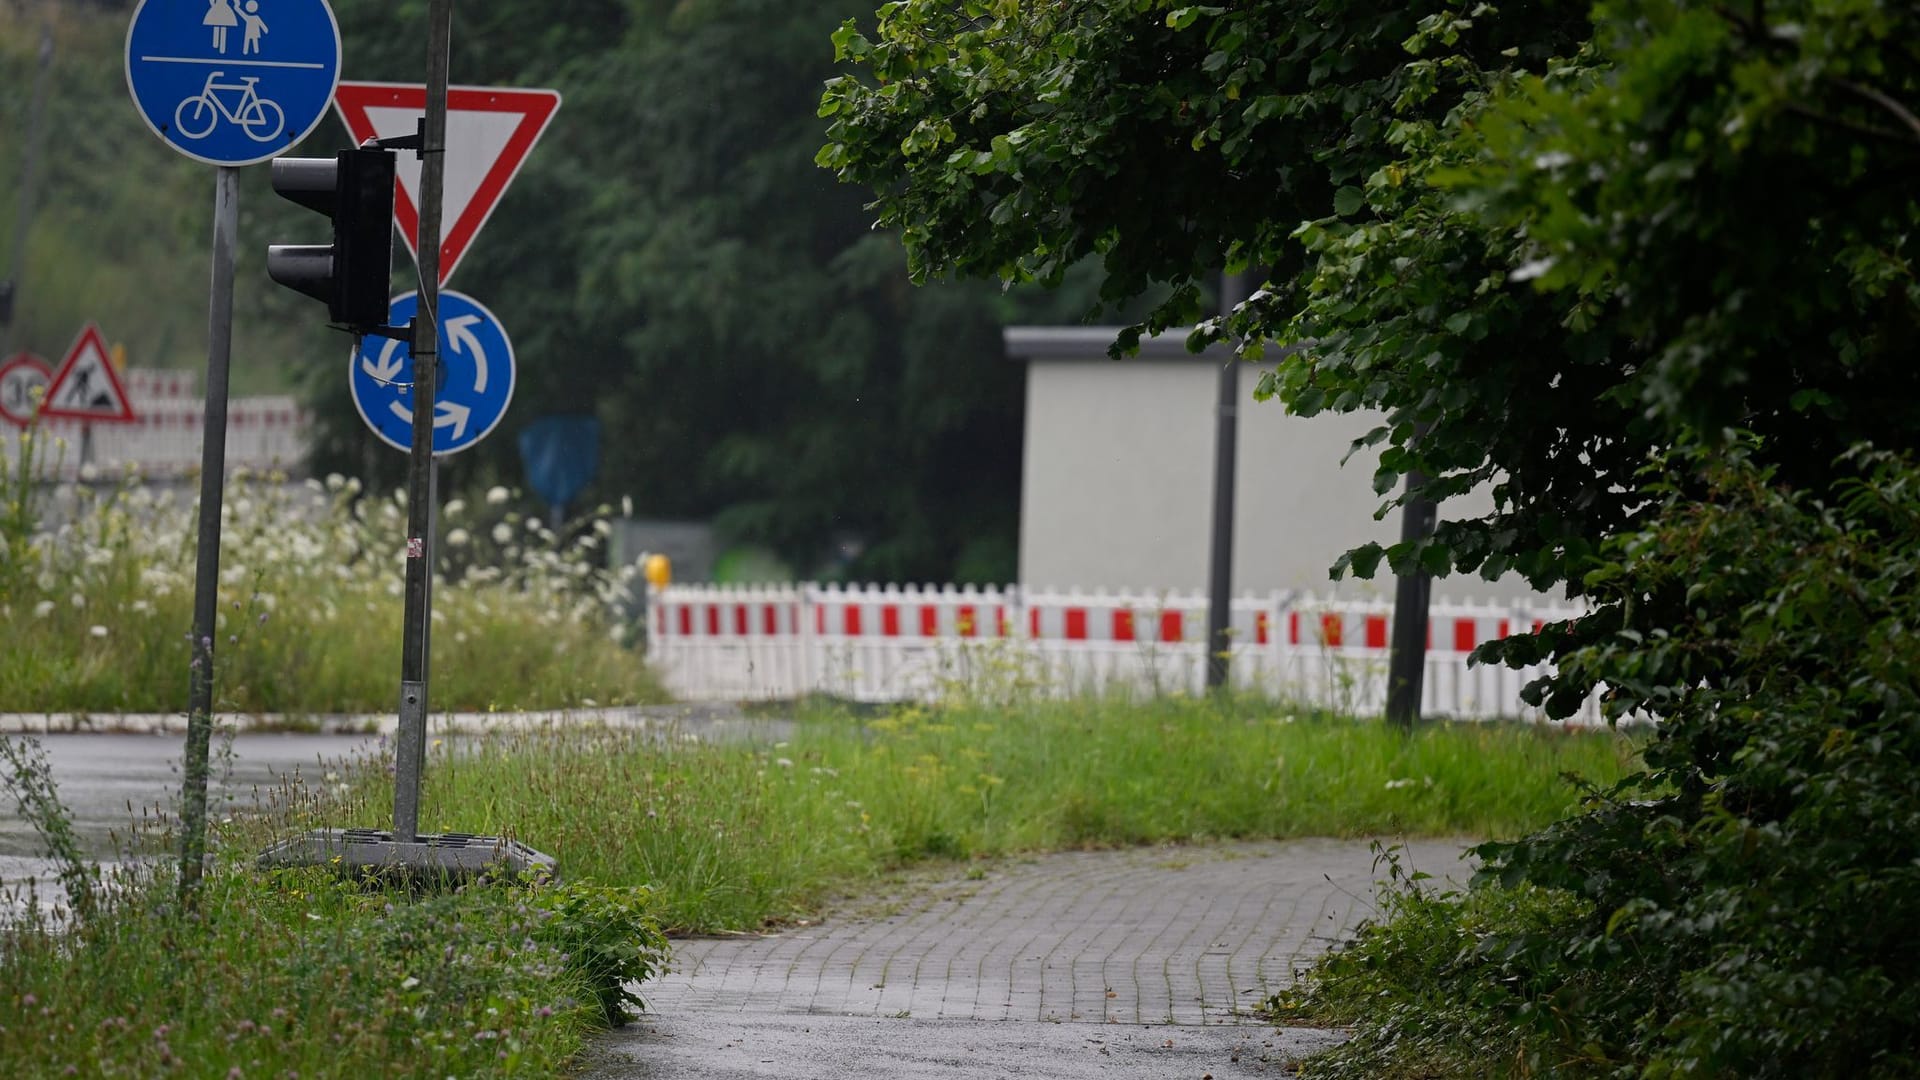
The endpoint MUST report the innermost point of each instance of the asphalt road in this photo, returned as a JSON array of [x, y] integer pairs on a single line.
[[111, 783]]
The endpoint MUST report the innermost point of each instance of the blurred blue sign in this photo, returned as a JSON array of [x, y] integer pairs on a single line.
[[561, 455], [476, 376], [232, 82]]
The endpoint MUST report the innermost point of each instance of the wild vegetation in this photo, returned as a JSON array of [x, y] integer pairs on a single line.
[[737, 837], [1642, 268], [97, 584]]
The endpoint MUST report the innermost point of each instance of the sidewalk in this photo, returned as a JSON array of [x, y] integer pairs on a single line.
[[1145, 963]]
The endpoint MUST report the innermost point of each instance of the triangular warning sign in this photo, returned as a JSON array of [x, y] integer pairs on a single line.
[[490, 130], [86, 387]]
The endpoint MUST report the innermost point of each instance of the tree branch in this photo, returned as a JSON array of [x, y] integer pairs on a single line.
[[1882, 99], [1855, 126]]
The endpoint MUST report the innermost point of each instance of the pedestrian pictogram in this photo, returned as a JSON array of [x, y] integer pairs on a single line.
[[476, 368], [232, 82], [23, 384], [86, 387], [490, 131]]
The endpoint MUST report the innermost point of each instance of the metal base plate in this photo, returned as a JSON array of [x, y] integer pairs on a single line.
[[449, 857]]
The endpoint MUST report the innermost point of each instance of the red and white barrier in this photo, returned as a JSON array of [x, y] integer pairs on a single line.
[[898, 643]]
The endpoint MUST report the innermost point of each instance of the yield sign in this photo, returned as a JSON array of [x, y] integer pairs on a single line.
[[86, 387], [490, 129]]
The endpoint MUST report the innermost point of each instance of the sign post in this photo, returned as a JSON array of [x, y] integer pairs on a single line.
[[226, 87]]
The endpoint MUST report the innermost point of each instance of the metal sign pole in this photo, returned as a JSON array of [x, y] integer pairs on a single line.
[[206, 587], [1233, 289], [410, 744]]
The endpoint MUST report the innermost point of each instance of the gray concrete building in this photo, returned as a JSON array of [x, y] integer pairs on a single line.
[[1117, 484]]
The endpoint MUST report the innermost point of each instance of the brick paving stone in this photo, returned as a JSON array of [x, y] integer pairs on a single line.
[[1190, 935]]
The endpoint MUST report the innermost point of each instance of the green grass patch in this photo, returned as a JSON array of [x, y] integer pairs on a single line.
[[300, 973], [736, 836]]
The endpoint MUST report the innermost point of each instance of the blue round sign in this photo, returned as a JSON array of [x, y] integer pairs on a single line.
[[232, 82], [476, 369]]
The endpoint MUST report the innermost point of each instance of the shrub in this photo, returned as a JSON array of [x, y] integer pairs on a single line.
[[1745, 905]]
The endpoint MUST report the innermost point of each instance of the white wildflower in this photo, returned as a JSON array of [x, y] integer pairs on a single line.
[[496, 496], [97, 631], [78, 600], [458, 538], [454, 508], [335, 482], [43, 609], [502, 533]]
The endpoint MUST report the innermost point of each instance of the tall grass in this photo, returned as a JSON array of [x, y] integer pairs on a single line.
[[736, 836], [97, 609]]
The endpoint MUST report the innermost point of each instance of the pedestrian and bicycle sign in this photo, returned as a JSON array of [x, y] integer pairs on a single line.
[[232, 82], [476, 368]]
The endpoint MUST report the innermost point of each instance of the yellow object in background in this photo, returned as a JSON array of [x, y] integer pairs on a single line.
[[118, 354], [658, 571]]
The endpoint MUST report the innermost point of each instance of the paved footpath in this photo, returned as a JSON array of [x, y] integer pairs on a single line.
[[1145, 963]]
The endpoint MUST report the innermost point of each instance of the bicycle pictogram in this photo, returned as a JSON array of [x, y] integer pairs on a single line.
[[261, 119]]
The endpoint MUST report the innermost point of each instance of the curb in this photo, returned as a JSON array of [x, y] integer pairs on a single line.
[[459, 723]]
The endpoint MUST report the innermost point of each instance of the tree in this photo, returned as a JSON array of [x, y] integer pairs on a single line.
[[670, 260], [1652, 279], [1404, 170]]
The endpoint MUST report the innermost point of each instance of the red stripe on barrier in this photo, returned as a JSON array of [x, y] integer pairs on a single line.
[[1076, 624], [740, 619], [1122, 624], [820, 619], [850, 620], [1376, 631], [1331, 630], [1293, 628], [890, 620], [969, 626], [713, 620], [1002, 626], [1262, 627], [929, 621], [1537, 624], [1463, 635], [1033, 624], [686, 621], [770, 620], [1503, 628], [1172, 626]]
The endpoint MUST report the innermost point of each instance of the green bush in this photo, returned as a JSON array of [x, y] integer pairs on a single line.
[[1746, 905], [610, 937]]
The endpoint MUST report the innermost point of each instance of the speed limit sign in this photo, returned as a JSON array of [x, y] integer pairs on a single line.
[[23, 382]]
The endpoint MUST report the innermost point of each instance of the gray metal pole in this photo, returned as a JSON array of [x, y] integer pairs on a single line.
[[411, 742], [1226, 435], [206, 585], [1407, 662], [29, 173]]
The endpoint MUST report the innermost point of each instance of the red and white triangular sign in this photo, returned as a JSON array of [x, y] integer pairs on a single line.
[[85, 387], [490, 129]]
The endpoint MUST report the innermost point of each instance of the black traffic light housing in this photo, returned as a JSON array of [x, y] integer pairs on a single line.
[[350, 275]]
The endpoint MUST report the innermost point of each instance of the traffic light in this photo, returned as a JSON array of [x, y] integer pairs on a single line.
[[355, 190]]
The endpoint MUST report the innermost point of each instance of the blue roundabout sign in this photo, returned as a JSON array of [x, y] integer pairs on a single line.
[[476, 367]]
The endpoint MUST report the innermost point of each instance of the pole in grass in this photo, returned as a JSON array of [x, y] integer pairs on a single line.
[[202, 100], [1233, 289], [404, 851]]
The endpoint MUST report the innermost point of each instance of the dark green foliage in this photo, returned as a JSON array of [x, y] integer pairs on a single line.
[[610, 937], [1746, 906], [671, 260]]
